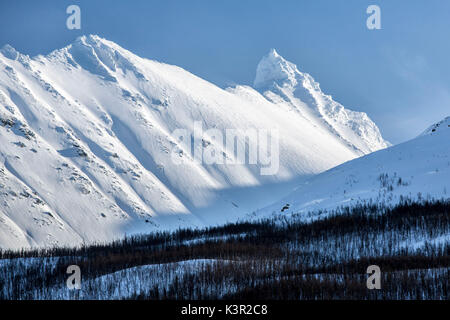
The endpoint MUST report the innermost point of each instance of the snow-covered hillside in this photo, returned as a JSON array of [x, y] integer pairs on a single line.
[[86, 143], [419, 168]]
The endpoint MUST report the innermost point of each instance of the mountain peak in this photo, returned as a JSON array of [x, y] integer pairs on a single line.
[[89, 37], [93, 40], [100, 56], [9, 52], [274, 68], [273, 52], [275, 76]]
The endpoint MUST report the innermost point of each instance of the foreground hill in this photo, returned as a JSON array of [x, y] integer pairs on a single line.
[[277, 258], [417, 169]]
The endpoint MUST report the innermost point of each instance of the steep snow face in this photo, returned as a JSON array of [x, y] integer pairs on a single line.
[[280, 80], [419, 168], [87, 145]]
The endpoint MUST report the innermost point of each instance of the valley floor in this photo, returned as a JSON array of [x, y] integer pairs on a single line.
[[276, 258]]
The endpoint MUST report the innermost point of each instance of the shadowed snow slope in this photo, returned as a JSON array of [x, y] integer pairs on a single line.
[[86, 143], [419, 168]]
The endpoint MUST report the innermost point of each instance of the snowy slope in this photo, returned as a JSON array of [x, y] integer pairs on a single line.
[[419, 168], [86, 143]]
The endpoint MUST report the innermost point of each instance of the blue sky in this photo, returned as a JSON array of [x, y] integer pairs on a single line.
[[399, 75]]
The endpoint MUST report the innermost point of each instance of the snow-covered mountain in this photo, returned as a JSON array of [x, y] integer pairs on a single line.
[[281, 81], [86, 143], [417, 169]]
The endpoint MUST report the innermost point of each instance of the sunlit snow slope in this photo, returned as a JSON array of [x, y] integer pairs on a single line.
[[417, 169], [86, 143]]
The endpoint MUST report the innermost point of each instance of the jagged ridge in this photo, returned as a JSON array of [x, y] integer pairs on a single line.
[[86, 146]]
